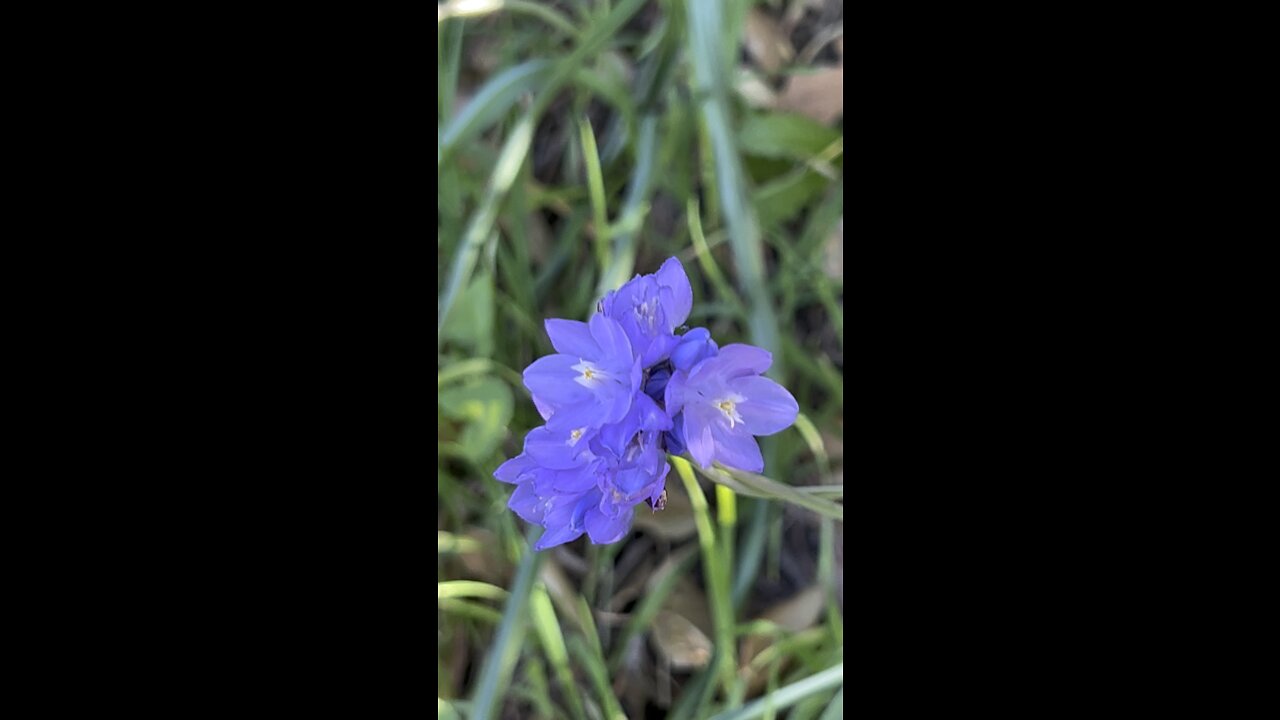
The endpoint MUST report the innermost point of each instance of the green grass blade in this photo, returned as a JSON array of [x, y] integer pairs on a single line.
[[475, 611], [706, 27], [760, 486], [708, 263], [595, 188], [716, 568], [835, 709], [809, 432], [623, 261], [787, 696], [501, 660], [450, 57], [481, 226], [548, 629], [591, 658], [492, 102], [469, 588]]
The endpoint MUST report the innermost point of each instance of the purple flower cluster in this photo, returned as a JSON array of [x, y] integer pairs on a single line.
[[622, 390]]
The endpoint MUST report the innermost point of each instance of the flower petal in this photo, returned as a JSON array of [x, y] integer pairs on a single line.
[[526, 503], [737, 449], [767, 408], [551, 379], [557, 536], [555, 448], [673, 395], [675, 437], [603, 529], [658, 348], [586, 414], [571, 337], [615, 348], [697, 433], [737, 360], [514, 469], [672, 275], [574, 481], [694, 346]]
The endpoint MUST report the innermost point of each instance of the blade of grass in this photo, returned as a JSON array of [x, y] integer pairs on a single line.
[[480, 228], [477, 366], [706, 26], [491, 103], [450, 55], [716, 568], [516, 148], [761, 486], [592, 659], [653, 81], [475, 611], [548, 629], [469, 588], [809, 432], [787, 696], [823, 491], [595, 188], [708, 263], [501, 660], [826, 577], [835, 709], [752, 550], [535, 687]]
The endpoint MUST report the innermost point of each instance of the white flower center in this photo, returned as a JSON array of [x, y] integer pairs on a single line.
[[575, 436], [647, 314], [591, 376], [729, 406]]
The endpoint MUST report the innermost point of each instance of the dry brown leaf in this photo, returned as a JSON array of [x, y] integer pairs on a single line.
[[680, 641], [798, 612], [688, 600], [818, 95], [765, 41]]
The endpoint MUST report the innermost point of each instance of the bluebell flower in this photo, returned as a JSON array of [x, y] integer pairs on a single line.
[[650, 308], [620, 393], [725, 403], [591, 379]]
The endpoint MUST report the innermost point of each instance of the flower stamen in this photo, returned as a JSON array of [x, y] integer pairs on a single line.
[[729, 407], [591, 376]]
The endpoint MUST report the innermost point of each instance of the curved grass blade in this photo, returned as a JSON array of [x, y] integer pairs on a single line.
[[469, 589], [706, 35], [492, 102], [716, 567], [501, 660], [544, 622], [753, 485], [787, 696], [480, 229]]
